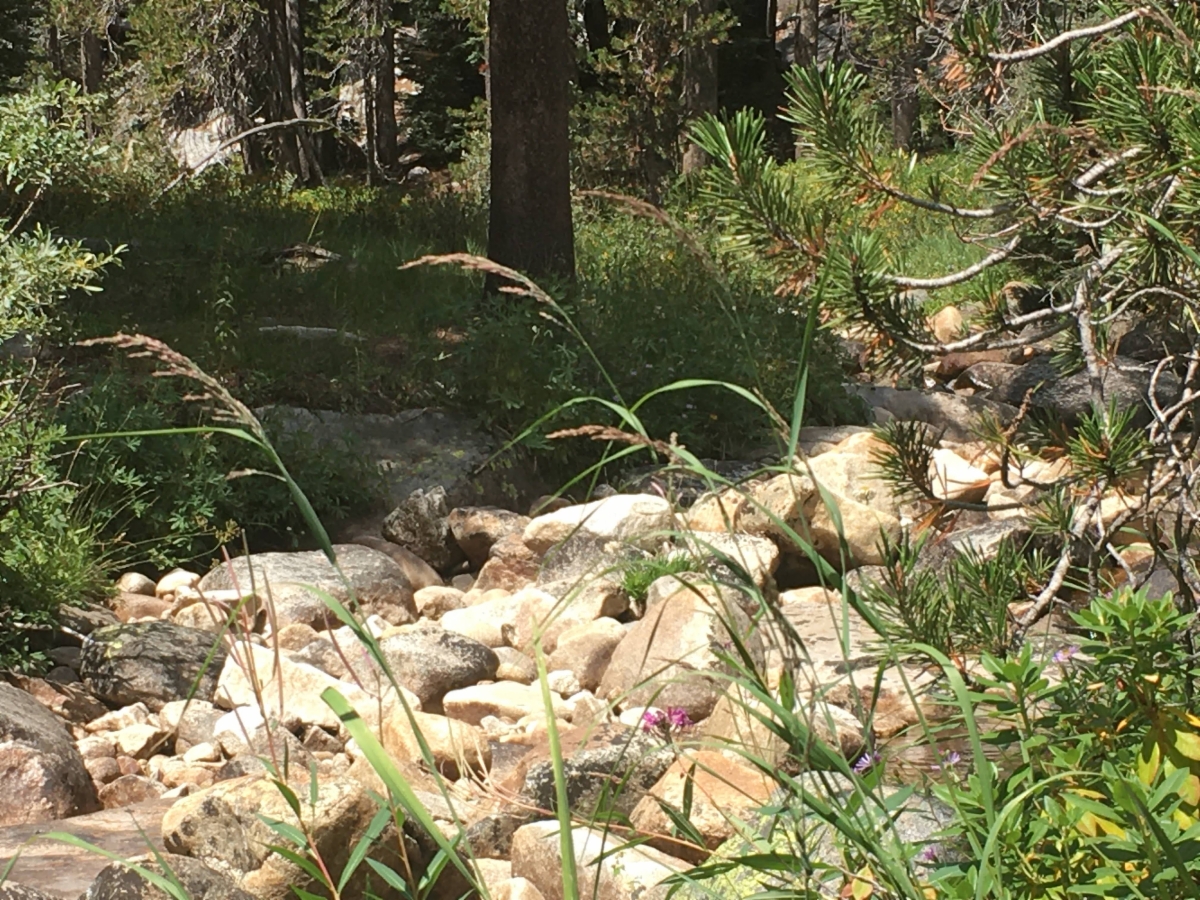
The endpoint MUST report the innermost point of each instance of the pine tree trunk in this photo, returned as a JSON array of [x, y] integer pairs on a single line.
[[54, 51], [807, 34], [91, 61], [385, 98], [595, 24], [905, 102], [371, 122], [285, 140], [310, 167], [699, 80], [529, 226]]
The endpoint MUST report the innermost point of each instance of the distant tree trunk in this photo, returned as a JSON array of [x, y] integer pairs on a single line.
[[807, 33], [371, 122], [289, 99], [529, 226], [278, 102], [905, 101], [385, 97], [91, 61], [595, 24], [54, 50], [310, 168], [699, 80]]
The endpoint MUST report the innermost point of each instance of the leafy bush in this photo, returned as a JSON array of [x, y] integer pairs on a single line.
[[170, 498], [49, 553], [638, 575]]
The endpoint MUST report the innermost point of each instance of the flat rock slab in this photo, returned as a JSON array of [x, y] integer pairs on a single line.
[[66, 871], [416, 448]]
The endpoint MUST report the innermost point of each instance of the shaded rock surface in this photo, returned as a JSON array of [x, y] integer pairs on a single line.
[[42, 775], [151, 662], [605, 872], [420, 524], [668, 658], [119, 882], [66, 871], [413, 449], [285, 580]]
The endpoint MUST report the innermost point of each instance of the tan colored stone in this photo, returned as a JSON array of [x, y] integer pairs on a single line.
[[129, 607], [605, 872], [295, 636], [946, 324], [139, 740], [226, 827], [103, 769], [135, 583], [456, 746], [809, 595], [503, 699], [795, 501], [97, 746], [517, 889], [586, 649], [434, 602], [485, 622], [638, 519], [135, 714], [725, 794], [291, 691], [953, 478], [669, 658], [541, 616], [128, 790], [174, 580], [511, 566]]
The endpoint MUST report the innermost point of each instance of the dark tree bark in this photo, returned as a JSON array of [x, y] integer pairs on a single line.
[[91, 61], [529, 226], [289, 99], [385, 97], [807, 33], [370, 97], [905, 102], [749, 70], [699, 81], [54, 50], [595, 24], [310, 168]]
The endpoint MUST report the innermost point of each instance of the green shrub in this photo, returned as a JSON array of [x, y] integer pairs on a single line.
[[168, 499], [638, 575], [49, 554]]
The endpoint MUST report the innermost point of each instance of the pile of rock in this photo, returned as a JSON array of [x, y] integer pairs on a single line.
[[206, 689]]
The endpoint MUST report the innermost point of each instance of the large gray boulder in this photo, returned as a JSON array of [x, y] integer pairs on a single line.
[[120, 882], [286, 582], [152, 663], [420, 525], [43, 776], [432, 661], [670, 658], [413, 449], [954, 416], [1067, 399], [915, 824]]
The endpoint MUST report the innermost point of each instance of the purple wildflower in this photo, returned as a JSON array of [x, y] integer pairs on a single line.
[[653, 719], [1065, 654], [865, 762], [949, 761], [679, 718], [929, 854]]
